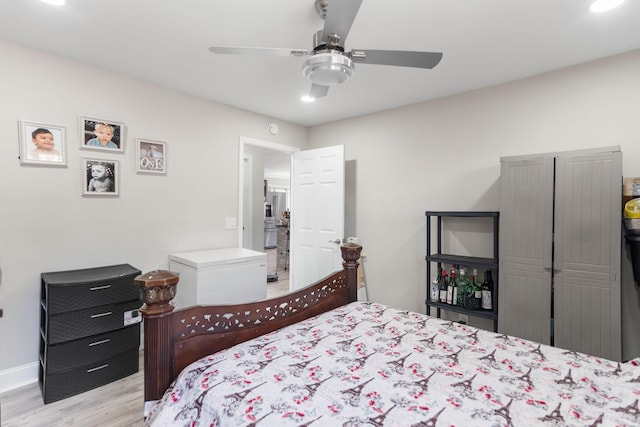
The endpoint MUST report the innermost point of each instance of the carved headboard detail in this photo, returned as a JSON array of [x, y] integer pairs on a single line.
[[174, 339]]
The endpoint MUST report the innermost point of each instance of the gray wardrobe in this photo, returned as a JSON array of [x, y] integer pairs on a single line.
[[560, 242]]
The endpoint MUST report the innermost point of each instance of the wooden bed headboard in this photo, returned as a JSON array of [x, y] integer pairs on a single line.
[[174, 339]]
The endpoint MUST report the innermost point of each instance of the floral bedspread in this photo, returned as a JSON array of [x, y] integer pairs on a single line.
[[366, 364]]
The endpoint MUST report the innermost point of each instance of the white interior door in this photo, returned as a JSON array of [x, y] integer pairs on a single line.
[[317, 214]]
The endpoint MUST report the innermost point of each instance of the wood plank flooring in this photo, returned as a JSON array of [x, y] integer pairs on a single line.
[[119, 403]]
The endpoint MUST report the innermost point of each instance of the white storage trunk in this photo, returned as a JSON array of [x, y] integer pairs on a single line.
[[219, 276]]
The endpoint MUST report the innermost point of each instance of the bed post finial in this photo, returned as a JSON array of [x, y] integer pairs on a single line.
[[351, 255], [157, 289]]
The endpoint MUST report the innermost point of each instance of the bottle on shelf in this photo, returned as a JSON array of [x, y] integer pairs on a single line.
[[463, 287], [435, 287], [487, 291], [442, 286], [469, 292], [473, 296], [477, 292], [452, 284]]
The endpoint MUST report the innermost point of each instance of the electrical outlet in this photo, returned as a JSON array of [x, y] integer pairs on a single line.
[[463, 318]]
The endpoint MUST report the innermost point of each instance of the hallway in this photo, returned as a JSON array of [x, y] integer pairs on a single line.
[[280, 286]]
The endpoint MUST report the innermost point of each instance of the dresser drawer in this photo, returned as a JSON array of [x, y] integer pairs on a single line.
[[92, 349], [82, 378], [90, 321], [78, 289]]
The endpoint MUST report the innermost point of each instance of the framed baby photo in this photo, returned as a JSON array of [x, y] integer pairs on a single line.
[[100, 177], [101, 134], [151, 156], [42, 144]]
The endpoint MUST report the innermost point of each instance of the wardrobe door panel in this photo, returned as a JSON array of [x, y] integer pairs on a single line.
[[587, 254], [526, 215]]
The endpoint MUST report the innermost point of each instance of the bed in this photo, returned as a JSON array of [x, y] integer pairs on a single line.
[[318, 357]]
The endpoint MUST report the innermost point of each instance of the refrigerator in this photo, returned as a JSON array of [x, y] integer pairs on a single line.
[[219, 276]]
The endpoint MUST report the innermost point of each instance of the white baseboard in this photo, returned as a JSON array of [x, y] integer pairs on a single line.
[[18, 376]]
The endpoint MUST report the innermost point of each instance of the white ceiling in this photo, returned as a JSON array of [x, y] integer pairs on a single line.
[[485, 42]]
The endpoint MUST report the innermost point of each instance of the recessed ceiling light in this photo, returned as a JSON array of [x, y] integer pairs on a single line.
[[604, 5], [54, 2], [307, 98]]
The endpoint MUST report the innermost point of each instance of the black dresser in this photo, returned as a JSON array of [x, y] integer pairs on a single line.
[[89, 329]]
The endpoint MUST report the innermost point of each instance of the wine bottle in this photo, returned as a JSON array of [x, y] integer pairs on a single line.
[[463, 285], [471, 288], [477, 290], [487, 291], [454, 296], [442, 286], [452, 284], [435, 290]]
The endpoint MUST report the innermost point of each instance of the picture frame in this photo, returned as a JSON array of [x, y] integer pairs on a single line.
[[151, 157], [42, 144], [100, 177], [102, 135]]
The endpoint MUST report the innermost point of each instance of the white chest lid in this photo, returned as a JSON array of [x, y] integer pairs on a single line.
[[217, 257]]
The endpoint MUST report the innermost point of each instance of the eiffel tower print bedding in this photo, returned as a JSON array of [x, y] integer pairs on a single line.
[[366, 364]]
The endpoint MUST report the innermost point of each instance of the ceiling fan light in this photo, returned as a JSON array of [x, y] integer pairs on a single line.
[[604, 5], [328, 68]]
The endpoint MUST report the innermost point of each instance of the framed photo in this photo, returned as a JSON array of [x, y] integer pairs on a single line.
[[100, 177], [100, 134], [151, 156], [42, 144]]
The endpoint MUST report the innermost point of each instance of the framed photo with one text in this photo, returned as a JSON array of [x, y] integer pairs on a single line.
[[151, 156]]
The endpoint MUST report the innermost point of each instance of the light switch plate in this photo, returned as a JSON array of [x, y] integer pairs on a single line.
[[230, 222]]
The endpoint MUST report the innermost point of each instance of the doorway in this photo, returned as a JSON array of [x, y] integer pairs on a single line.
[[265, 183]]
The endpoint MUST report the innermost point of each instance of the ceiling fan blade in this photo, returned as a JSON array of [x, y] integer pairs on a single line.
[[318, 91], [396, 57], [340, 17], [234, 50]]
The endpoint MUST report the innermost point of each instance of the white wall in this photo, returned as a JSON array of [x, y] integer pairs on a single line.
[[444, 155], [45, 223]]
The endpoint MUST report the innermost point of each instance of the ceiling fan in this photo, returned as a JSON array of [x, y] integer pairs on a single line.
[[327, 63]]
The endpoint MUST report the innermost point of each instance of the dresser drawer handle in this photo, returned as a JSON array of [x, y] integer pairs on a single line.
[[97, 368], [108, 313], [99, 288], [99, 342]]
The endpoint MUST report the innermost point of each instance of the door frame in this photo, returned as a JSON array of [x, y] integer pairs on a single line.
[[242, 142]]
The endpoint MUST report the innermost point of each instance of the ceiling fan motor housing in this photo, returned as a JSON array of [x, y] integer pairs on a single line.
[[328, 68]]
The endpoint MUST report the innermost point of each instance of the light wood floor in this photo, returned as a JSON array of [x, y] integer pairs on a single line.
[[280, 286], [119, 404]]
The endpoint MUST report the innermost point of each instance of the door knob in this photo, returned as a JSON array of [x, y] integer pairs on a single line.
[[337, 241]]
